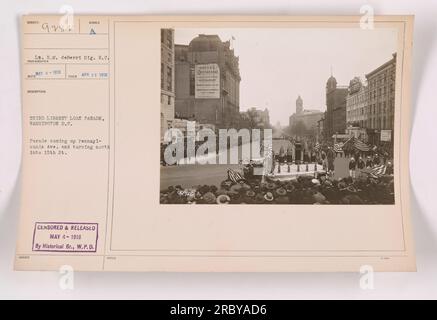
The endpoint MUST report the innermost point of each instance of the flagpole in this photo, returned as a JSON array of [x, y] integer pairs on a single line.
[[348, 139]]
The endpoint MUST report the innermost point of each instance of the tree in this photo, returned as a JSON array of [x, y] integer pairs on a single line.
[[251, 120]]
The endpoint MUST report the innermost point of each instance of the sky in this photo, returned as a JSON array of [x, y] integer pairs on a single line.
[[277, 65]]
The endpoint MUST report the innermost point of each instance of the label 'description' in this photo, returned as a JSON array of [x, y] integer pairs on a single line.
[[65, 237]]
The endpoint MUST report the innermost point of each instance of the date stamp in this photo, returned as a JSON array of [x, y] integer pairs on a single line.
[[65, 237]]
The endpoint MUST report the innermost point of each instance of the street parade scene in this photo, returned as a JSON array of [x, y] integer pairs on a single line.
[[339, 153], [363, 177]]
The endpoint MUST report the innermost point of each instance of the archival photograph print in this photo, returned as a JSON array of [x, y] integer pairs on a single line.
[[278, 116]]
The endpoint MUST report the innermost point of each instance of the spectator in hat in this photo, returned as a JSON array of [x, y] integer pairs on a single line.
[[289, 155], [376, 160], [360, 165], [313, 156], [356, 155], [330, 156], [369, 162], [281, 155], [389, 168], [352, 167], [323, 159]]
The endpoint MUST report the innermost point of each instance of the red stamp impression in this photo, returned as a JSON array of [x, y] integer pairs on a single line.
[[65, 237]]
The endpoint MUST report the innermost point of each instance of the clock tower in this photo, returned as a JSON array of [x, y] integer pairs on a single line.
[[299, 105]]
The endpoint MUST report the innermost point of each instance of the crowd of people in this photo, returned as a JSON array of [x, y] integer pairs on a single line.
[[303, 190], [370, 181], [359, 162]]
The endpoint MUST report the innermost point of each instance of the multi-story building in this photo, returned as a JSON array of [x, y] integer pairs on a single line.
[[356, 102], [370, 108], [381, 96], [306, 117], [335, 120], [167, 80], [207, 82]]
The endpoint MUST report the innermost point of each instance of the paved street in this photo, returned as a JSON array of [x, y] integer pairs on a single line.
[[213, 174], [188, 175], [195, 174]]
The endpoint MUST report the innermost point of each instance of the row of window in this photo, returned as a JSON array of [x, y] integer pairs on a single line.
[[380, 107], [381, 122], [357, 98], [166, 77], [382, 78], [381, 91], [166, 99], [355, 113], [376, 123], [167, 37], [166, 54]]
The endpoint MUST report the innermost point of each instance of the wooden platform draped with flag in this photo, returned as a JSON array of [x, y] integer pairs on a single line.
[[376, 171], [352, 142], [360, 145]]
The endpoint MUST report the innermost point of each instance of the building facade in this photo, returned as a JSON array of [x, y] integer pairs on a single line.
[[370, 107], [356, 103], [205, 97], [381, 96], [167, 80], [335, 121], [307, 117]]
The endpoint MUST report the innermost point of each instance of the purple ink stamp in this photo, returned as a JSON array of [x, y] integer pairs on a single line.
[[65, 237]]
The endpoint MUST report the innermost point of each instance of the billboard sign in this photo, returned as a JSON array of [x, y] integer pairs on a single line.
[[207, 81], [385, 135]]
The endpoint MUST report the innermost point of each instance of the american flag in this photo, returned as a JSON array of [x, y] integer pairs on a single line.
[[360, 145], [234, 176], [376, 172], [338, 147], [317, 146]]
